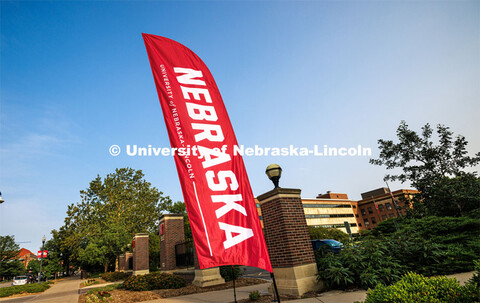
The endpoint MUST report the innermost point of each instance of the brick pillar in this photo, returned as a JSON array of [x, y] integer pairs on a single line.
[[171, 233], [288, 241], [140, 255], [121, 262]]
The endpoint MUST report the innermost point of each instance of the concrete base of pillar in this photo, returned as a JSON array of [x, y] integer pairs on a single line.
[[207, 277], [297, 280], [141, 272]]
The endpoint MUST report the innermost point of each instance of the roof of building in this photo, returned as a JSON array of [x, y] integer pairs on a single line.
[[24, 252]]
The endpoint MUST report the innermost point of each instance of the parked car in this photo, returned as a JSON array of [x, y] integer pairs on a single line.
[[20, 280], [328, 244]]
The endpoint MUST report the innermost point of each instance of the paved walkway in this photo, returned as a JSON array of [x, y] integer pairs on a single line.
[[220, 296], [65, 291]]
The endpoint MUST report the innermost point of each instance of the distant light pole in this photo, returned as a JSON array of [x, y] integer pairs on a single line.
[[1, 200], [41, 259], [274, 172]]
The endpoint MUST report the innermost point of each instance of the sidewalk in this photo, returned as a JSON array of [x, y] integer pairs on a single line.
[[220, 296], [64, 291]]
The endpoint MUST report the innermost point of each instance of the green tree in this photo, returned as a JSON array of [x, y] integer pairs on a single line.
[[111, 211], [60, 247], [33, 266], [327, 233], [154, 251], [9, 265], [437, 170], [53, 263], [179, 208]]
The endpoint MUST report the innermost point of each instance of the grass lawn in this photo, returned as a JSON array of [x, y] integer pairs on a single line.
[[22, 289]]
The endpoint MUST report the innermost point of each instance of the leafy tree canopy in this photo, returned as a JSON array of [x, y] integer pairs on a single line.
[[9, 251], [111, 211], [179, 208], [437, 170], [328, 233]]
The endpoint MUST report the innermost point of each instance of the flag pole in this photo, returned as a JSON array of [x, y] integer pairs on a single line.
[[234, 290], [395, 204], [275, 287]]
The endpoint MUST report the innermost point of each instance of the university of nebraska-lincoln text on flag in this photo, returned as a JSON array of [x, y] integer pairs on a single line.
[[219, 200]]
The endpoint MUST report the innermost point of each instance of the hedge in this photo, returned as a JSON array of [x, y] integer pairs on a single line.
[[418, 288], [153, 281], [114, 276], [27, 288]]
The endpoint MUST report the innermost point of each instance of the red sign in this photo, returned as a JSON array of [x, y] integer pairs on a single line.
[[45, 252], [219, 200], [39, 254], [161, 229]]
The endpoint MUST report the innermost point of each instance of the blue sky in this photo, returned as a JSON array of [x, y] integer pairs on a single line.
[[75, 79]]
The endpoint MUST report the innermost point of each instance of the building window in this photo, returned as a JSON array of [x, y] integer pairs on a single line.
[[366, 222], [384, 217], [363, 212], [327, 205], [370, 211], [329, 216], [388, 206], [336, 225], [258, 205], [380, 207], [359, 224], [356, 215], [354, 206], [373, 220], [391, 215]]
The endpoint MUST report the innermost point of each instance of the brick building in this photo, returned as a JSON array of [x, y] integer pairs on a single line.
[[328, 210], [377, 205], [26, 256], [331, 210]]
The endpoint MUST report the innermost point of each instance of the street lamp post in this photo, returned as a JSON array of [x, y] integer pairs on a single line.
[[41, 259], [274, 172]]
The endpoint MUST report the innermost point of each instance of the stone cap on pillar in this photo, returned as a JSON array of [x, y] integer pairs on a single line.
[[279, 193], [171, 216], [139, 235]]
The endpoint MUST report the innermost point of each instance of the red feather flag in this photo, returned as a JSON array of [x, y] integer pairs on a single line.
[[219, 200]]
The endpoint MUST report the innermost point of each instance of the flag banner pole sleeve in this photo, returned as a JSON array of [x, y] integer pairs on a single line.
[[218, 197]]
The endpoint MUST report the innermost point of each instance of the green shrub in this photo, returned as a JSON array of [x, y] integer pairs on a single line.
[[476, 276], [227, 274], [114, 276], [254, 295], [90, 282], [153, 281], [27, 288], [364, 265], [418, 288], [428, 246]]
